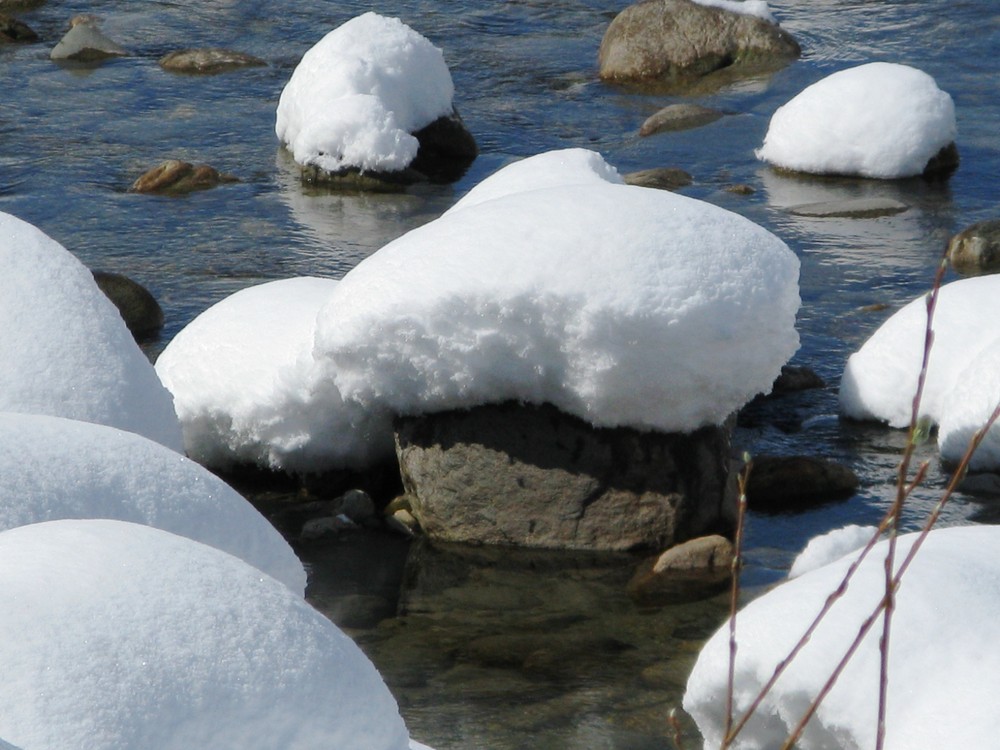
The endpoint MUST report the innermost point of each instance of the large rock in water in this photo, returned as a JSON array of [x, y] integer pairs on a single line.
[[533, 476], [976, 249], [676, 42]]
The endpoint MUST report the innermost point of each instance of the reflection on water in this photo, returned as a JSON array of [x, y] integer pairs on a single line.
[[486, 655]]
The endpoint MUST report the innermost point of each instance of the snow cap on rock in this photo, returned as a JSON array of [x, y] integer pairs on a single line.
[[65, 350], [356, 96], [880, 120]]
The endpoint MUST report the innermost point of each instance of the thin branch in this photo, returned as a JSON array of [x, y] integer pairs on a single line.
[[734, 595]]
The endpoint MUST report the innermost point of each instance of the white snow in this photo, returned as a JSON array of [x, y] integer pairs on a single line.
[[757, 8], [116, 635], [357, 95], [833, 545], [54, 468], [622, 305], [944, 665], [880, 120], [962, 387], [248, 390], [65, 350]]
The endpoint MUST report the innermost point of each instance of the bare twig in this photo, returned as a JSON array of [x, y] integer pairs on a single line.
[[734, 597]]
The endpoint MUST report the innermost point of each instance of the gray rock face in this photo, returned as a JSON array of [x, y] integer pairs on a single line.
[[207, 61], [84, 42], [677, 41], [675, 117], [976, 249], [139, 309], [532, 476]]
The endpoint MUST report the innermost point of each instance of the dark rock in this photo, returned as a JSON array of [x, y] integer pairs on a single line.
[[976, 249], [857, 208], [139, 309], [176, 177], [789, 483], [675, 117], [739, 189], [11, 5], [447, 149], [793, 379], [532, 476], [676, 42], [208, 60], [84, 42], [356, 505], [661, 178], [12, 30], [692, 570], [943, 164]]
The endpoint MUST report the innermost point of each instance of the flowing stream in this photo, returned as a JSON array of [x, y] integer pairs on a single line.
[[511, 651]]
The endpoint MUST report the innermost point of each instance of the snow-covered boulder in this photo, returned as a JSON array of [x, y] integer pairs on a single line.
[[966, 407], [54, 468], [880, 120], [944, 666], [124, 636], [65, 350], [359, 97], [247, 390], [880, 379], [621, 305], [677, 42], [825, 548]]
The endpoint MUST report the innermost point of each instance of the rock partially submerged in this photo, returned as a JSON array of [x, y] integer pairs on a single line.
[[175, 177], [683, 116], [791, 483], [85, 42], [976, 249], [661, 178], [532, 476], [673, 43], [208, 60], [138, 307], [856, 208], [691, 570], [12, 30]]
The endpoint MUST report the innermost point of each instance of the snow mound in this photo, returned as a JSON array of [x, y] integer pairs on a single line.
[[247, 388], [126, 636], [622, 305], [65, 350], [943, 668], [833, 545], [880, 379], [967, 406], [880, 120], [357, 95], [54, 468]]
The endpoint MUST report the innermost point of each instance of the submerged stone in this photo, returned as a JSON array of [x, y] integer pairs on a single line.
[[682, 116], [208, 60], [12, 30], [857, 208], [175, 177], [793, 483], [661, 178]]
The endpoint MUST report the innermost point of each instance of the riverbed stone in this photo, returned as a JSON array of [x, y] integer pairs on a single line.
[[447, 149], [660, 178], [795, 378], [532, 476], [976, 249], [681, 116], [85, 42], [175, 177], [856, 208], [139, 309], [12, 30], [942, 164], [789, 483], [675, 42], [208, 61], [691, 570]]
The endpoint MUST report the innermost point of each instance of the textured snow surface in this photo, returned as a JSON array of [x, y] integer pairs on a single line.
[[963, 378], [833, 545], [357, 95], [880, 120], [65, 350], [53, 468], [115, 635], [944, 667], [757, 8], [550, 282]]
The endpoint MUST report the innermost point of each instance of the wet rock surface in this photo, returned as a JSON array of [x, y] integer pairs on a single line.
[[208, 61], [661, 178], [976, 249], [174, 177], [138, 307], [684, 116], [12, 30], [790, 483]]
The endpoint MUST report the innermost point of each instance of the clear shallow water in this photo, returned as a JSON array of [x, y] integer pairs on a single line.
[[590, 670]]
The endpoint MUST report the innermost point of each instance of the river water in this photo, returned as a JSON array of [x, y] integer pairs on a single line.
[[544, 651]]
